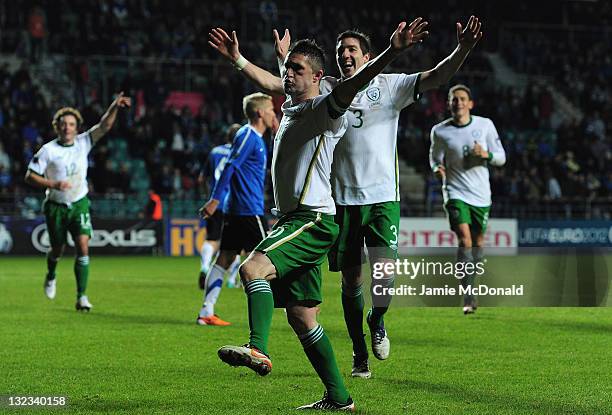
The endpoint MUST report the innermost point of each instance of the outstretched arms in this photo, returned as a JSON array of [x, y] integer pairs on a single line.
[[229, 48], [466, 38], [108, 119]]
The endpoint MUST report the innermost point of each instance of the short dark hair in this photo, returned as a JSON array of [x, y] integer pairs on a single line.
[[312, 51], [231, 132], [460, 87], [364, 40]]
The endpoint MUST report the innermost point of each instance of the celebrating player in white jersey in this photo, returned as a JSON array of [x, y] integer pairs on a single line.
[[461, 149], [365, 180], [285, 270], [60, 167]]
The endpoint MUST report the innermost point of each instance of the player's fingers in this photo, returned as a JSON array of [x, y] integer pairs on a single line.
[[420, 27], [470, 21], [458, 29], [234, 37], [420, 36], [478, 28], [415, 22], [287, 35], [219, 33], [474, 26], [216, 37], [222, 32], [276, 37]]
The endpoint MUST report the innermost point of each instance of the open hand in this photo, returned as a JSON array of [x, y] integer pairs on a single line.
[[226, 46], [471, 34], [281, 46], [406, 36]]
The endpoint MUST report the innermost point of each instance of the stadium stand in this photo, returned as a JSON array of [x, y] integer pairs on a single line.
[[543, 79]]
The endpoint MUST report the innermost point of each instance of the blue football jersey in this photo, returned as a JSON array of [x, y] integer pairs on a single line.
[[245, 172], [216, 162]]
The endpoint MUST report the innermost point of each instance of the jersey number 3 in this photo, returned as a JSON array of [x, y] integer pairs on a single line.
[[358, 115]]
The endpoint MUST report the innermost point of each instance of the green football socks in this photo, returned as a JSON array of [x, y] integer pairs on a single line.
[[51, 265], [81, 272], [321, 355], [261, 307], [352, 305]]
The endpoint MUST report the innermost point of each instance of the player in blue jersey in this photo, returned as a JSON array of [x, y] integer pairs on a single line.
[[244, 172], [212, 171]]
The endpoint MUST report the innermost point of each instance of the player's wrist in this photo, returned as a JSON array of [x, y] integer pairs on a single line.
[[240, 63]]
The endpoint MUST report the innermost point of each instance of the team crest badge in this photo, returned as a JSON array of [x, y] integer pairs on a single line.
[[476, 133], [373, 94]]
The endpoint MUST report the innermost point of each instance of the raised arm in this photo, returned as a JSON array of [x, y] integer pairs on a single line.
[[403, 38], [466, 38], [108, 119], [229, 48], [281, 47]]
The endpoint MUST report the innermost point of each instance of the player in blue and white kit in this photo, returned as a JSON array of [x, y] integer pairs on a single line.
[[214, 167], [244, 173]]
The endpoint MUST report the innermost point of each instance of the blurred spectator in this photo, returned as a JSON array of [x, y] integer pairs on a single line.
[[553, 189], [37, 31], [5, 161], [573, 155]]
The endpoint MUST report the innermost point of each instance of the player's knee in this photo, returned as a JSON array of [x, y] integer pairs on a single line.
[[57, 251], [249, 271], [351, 277], [465, 241], [225, 259]]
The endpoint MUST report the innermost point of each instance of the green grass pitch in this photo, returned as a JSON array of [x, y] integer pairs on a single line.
[[140, 351]]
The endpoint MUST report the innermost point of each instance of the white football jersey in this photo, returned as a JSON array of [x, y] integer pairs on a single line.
[[365, 169], [303, 154], [55, 161], [467, 177]]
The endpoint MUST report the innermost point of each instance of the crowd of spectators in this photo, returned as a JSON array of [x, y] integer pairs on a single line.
[[549, 159]]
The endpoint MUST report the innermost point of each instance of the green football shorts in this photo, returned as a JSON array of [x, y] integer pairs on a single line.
[[297, 247], [62, 219], [377, 224], [460, 212]]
